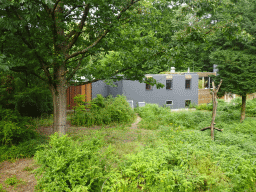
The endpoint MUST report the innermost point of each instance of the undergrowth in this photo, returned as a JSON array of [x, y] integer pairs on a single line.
[[102, 111], [18, 136]]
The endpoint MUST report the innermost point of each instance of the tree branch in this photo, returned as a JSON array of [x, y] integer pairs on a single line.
[[210, 128], [80, 27], [132, 2], [72, 9], [76, 68], [219, 85], [89, 47], [55, 5], [47, 9]]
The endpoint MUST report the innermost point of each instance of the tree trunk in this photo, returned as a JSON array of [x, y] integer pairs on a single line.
[[243, 108], [59, 94]]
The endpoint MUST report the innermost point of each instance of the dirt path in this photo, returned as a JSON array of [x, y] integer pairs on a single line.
[[22, 169], [135, 124]]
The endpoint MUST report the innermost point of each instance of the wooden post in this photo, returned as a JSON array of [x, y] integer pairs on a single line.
[[214, 109]]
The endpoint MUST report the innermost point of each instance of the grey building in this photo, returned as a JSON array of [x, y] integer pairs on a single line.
[[180, 90]]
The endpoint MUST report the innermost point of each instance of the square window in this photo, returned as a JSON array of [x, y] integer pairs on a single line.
[[148, 87], [168, 84], [187, 103], [187, 84], [168, 102]]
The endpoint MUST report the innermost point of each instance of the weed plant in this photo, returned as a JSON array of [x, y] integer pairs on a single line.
[[69, 165], [103, 111], [14, 181]]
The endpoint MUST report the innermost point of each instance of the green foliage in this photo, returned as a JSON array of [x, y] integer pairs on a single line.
[[26, 149], [236, 69], [200, 84], [204, 106], [13, 181], [14, 128], [155, 116], [103, 111], [2, 189], [250, 108], [67, 165], [6, 90], [34, 102], [176, 157]]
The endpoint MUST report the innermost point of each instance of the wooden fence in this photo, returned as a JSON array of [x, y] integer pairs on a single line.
[[72, 91]]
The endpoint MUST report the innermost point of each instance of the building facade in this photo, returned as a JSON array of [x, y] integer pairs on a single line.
[[180, 90]]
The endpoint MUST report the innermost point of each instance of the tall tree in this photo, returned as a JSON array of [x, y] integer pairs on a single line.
[[58, 37], [235, 56], [238, 71]]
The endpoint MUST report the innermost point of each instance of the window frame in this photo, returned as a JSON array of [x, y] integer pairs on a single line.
[[150, 86], [170, 83], [168, 104], [186, 83], [189, 103]]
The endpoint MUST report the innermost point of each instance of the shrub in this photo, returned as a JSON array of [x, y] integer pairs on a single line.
[[67, 165], [204, 106], [155, 116], [14, 128], [103, 111]]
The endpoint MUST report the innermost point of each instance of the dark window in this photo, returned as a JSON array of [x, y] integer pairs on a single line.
[[206, 82], [187, 84], [168, 102], [148, 87], [210, 82], [168, 84], [187, 103]]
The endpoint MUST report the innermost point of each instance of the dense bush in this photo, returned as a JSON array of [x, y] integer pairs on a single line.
[[14, 128], [67, 165], [155, 116], [103, 111]]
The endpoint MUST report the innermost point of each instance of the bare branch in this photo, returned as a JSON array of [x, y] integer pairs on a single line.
[[219, 85]]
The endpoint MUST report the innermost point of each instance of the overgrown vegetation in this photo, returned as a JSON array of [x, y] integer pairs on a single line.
[[233, 105], [176, 156], [102, 111], [18, 136]]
